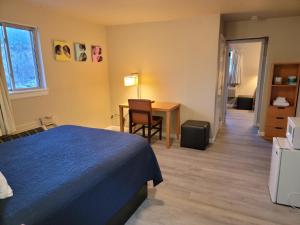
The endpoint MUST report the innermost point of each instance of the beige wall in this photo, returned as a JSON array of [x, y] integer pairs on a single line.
[[250, 53], [177, 61], [284, 36], [78, 91]]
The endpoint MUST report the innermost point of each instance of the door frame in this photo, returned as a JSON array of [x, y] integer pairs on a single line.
[[219, 93], [260, 80]]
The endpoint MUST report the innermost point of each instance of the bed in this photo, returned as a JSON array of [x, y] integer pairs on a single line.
[[74, 175]]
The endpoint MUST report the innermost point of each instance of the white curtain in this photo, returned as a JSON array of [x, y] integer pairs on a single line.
[[235, 68], [7, 122]]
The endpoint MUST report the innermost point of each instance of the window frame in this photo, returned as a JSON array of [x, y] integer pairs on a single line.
[[36, 49]]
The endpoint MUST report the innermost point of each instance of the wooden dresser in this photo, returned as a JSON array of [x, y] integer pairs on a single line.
[[276, 116]]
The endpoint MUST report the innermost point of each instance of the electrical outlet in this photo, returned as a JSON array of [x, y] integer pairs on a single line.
[[47, 120]]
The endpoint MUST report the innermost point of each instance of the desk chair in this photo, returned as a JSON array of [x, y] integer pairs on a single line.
[[140, 113]]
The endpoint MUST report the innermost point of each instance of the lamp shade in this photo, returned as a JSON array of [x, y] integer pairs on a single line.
[[131, 80]]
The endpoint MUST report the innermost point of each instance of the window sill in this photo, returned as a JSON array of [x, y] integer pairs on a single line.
[[28, 93]]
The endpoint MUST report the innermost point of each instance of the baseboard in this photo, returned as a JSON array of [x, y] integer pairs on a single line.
[[212, 140], [117, 128], [27, 126], [35, 124], [126, 129]]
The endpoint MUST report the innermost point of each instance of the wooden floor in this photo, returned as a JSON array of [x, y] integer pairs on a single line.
[[226, 184]]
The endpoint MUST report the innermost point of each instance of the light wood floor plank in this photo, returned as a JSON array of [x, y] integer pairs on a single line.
[[224, 185]]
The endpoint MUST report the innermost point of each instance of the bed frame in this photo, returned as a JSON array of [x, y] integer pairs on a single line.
[[126, 212], [71, 215]]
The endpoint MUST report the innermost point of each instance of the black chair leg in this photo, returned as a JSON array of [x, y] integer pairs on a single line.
[[130, 128], [149, 134], [143, 130], [160, 131]]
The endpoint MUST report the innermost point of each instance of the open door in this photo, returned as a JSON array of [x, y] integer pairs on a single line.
[[260, 81], [260, 75]]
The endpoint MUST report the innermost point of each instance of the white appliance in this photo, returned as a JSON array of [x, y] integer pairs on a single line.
[[293, 131], [284, 180]]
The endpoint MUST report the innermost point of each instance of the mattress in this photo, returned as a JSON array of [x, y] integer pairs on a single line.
[[52, 171]]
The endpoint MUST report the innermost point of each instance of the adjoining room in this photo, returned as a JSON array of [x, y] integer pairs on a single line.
[[244, 77]]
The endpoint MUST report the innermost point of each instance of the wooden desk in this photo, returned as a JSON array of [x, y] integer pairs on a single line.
[[166, 107]]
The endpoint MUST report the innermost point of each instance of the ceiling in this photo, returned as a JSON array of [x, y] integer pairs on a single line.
[[113, 12]]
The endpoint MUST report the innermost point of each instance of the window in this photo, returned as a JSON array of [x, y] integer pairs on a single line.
[[20, 56]]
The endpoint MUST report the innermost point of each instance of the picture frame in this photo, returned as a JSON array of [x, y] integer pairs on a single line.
[[62, 50], [80, 52], [96, 53]]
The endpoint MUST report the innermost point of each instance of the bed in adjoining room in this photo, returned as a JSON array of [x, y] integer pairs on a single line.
[[74, 175]]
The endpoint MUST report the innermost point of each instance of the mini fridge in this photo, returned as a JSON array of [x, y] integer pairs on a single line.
[[284, 180]]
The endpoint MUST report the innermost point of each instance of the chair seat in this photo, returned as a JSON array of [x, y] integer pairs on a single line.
[[156, 120]]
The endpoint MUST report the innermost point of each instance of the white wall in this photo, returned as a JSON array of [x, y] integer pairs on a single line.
[[177, 61], [284, 36], [250, 53], [78, 91]]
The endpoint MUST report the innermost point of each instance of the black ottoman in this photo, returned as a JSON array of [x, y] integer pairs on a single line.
[[195, 134], [244, 102]]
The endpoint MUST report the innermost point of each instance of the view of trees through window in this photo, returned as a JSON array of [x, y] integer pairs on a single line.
[[19, 58], [4, 59]]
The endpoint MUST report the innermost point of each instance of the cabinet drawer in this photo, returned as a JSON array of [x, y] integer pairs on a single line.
[[276, 121], [274, 111], [275, 131]]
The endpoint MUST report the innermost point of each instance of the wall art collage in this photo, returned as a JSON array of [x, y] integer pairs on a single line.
[[62, 51]]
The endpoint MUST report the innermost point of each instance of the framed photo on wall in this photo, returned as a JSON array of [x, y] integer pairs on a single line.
[[80, 52], [96, 53], [62, 51]]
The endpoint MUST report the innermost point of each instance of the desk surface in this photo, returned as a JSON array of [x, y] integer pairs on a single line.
[[159, 106]]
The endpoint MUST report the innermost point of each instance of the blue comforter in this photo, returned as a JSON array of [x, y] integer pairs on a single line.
[[49, 171]]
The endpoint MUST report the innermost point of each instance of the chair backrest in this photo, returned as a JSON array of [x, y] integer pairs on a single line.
[[140, 111]]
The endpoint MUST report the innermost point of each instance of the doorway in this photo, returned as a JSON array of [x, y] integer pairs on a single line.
[[245, 77]]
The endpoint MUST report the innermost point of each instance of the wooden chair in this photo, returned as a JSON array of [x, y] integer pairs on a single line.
[[140, 113]]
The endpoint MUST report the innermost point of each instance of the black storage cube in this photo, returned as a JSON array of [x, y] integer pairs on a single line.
[[195, 134], [244, 102]]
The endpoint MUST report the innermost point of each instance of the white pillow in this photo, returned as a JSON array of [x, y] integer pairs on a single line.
[[5, 190]]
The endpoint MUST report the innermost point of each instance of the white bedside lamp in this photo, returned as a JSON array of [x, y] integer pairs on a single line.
[[133, 80]]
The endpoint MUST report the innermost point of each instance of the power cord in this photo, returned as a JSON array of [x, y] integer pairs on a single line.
[[125, 117]]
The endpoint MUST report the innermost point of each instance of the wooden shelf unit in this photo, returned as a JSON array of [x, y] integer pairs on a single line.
[[276, 117]]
